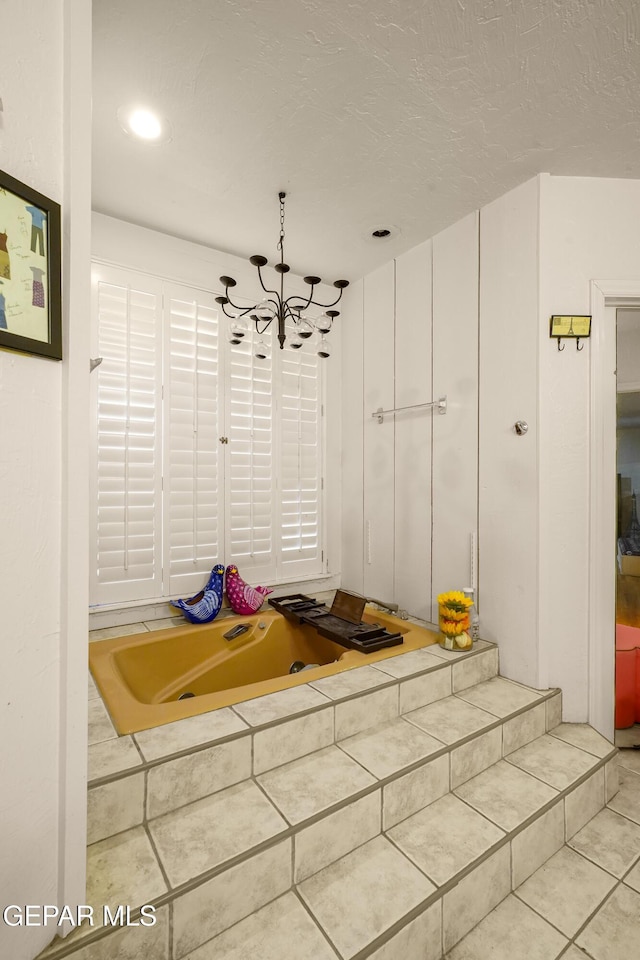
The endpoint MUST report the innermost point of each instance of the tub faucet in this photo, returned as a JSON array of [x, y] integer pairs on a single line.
[[390, 607]]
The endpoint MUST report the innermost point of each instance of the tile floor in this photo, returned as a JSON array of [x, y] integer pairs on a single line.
[[628, 736], [584, 902]]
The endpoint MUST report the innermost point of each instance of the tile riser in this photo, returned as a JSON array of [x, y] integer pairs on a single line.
[[194, 770], [484, 883], [192, 785], [515, 842]]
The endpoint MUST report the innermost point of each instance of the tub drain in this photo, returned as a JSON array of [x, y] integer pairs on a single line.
[[298, 666], [186, 696]]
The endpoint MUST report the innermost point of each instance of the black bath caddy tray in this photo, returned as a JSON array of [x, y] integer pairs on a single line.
[[365, 637]]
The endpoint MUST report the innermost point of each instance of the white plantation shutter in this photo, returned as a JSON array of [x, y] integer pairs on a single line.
[[193, 487], [250, 475], [300, 461], [126, 535], [171, 500]]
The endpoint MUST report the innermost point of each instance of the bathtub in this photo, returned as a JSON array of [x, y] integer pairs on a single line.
[[142, 677]]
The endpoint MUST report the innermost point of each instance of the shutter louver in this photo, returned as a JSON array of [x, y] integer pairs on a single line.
[[193, 483], [250, 475], [300, 458], [127, 534]]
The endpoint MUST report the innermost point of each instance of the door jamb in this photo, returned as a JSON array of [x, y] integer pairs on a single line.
[[606, 296]]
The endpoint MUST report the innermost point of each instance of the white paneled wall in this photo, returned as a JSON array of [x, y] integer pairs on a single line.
[[455, 374], [417, 472], [589, 230], [471, 311], [508, 490], [413, 373], [379, 440], [353, 431]]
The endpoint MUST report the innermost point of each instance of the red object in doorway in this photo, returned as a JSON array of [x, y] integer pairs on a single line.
[[627, 675]]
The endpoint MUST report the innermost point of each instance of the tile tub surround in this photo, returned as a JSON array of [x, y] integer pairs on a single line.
[[317, 822], [184, 761], [140, 675]]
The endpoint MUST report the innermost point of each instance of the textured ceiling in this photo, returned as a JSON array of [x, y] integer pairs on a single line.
[[370, 113]]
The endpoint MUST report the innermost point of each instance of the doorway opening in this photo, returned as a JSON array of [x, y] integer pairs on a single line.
[[627, 711]]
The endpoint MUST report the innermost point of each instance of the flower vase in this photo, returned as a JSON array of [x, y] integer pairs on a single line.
[[454, 624]]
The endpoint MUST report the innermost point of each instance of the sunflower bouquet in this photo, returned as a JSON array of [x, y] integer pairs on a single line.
[[454, 620]]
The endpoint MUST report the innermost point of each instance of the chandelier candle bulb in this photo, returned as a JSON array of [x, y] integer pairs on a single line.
[[276, 307], [324, 350]]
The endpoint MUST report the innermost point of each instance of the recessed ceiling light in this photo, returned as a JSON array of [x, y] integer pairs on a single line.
[[144, 124], [384, 234]]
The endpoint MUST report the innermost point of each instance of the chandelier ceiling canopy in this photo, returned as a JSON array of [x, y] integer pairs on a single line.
[[274, 306]]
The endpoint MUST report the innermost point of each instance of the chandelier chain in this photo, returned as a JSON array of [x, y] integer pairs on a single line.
[[281, 240]]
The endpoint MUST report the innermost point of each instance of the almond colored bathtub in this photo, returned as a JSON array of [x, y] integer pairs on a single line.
[[141, 677]]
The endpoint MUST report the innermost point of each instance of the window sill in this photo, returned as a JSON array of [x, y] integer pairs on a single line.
[[141, 611]]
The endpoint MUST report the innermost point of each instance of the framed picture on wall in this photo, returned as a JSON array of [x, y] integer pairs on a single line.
[[30, 265]]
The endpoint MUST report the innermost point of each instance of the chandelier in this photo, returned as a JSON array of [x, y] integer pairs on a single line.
[[274, 307]]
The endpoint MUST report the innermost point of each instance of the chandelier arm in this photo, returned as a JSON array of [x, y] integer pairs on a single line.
[[234, 316], [267, 324], [266, 289], [236, 306], [288, 312], [317, 303], [298, 296], [276, 305]]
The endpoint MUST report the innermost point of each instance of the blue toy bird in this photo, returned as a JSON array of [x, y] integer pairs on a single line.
[[205, 606]]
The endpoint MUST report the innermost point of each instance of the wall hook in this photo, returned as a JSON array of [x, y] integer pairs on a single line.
[[572, 327], [560, 346]]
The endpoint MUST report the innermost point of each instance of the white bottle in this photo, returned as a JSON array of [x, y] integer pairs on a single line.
[[474, 620]]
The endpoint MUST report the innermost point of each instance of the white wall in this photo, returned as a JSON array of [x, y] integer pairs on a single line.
[[409, 488], [413, 431], [508, 487], [379, 439], [43, 736], [455, 374], [352, 462], [540, 247], [589, 229]]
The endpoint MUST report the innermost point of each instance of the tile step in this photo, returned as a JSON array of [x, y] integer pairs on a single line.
[[515, 808], [135, 781]]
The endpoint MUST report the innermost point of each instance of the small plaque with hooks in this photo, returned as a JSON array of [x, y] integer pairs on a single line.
[[573, 327]]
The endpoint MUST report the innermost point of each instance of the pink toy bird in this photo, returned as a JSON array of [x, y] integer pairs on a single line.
[[243, 598]]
